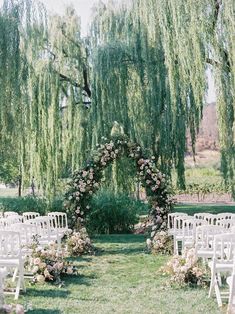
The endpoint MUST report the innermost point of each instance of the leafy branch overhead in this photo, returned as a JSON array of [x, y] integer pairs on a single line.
[[142, 64]]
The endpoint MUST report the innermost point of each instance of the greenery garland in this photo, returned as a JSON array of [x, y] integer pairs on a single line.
[[87, 181]]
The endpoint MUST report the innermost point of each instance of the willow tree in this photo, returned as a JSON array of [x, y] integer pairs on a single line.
[[44, 82], [145, 64], [149, 62]]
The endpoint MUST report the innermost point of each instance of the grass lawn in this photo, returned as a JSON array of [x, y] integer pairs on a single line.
[[121, 278], [208, 208]]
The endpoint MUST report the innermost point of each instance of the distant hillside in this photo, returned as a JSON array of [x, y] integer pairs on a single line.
[[208, 137]]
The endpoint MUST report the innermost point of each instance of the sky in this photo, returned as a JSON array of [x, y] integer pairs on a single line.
[[83, 9]]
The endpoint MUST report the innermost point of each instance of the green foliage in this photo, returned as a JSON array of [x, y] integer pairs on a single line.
[[30, 203], [148, 62], [24, 204], [112, 213]]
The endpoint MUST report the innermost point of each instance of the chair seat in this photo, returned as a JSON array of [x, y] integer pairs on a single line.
[[222, 266], [205, 253], [9, 263], [229, 280]]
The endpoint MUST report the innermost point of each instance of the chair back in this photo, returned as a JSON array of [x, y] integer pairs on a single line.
[[13, 219], [211, 219], [222, 216], [27, 232], [30, 215], [10, 244], [43, 225], [190, 225], [10, 213], [4, 223], [205, 236], [226, 223], [60, 220], [224, 247]]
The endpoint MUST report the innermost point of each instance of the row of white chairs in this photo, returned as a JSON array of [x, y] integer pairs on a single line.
[[183, 226], [17, 234], [213, 237]]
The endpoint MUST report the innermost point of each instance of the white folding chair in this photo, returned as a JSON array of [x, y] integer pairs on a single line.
[[200, 215], [47, 233], [222, 262], [27, 233], [13, 219], [60, 222], [231, 299], [185, 230], [204, 241], [211, 219], [189, 231], [10, 213], [3, 274], [4, 223], [11, 256], [30, 215], [226, 223], [170, 221], [223, 216]]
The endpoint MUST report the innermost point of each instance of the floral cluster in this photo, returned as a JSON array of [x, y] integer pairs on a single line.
[[79, 243], [161, 243], [49, 263], [185, 269], [12, 309], [86, 181]]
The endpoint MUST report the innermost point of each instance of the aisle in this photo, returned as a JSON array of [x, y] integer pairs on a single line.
[[122, 278]]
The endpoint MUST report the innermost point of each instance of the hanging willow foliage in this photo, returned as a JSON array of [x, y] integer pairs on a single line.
[[43, 81], [148, 60]]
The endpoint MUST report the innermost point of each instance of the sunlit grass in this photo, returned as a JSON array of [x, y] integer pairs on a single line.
[[121, 278]]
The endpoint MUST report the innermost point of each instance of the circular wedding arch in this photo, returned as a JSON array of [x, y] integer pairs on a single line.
[[86, 181]]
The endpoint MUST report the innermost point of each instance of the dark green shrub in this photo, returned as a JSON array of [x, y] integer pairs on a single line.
[[23, 204], [112, 213], [56, 205]]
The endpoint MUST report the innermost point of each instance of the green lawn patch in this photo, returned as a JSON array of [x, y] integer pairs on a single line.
[[121, 278], [208, 208]]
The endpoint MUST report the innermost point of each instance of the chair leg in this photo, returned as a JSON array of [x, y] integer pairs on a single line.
[[21, 275], [15, 274], [212, 284], [1, 291], [18, 288], [219, 279], [217, 293]]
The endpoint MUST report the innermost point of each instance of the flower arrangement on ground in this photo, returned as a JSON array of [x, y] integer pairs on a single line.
[[161, 243], [78, 243], [49, 264], [12, 309], [186, 269]]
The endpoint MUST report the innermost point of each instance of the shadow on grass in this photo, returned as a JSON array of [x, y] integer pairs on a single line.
[[79, 280], [43, 311], [83, 258], [120, 251], [47, 293], [120, 238]]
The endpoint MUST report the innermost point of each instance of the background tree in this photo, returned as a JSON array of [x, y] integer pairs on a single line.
[[143, 65]]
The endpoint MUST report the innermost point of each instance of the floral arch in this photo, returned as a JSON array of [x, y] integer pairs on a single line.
[[86, 181]]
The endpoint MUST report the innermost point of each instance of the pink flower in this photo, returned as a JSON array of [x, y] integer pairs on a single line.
[[84, 173], [37, 261], [40, 278], [70, 270]]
